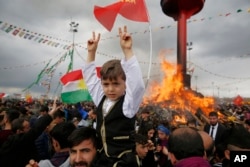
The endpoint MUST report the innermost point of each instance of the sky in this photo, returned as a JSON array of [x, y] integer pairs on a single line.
[[220, 54]]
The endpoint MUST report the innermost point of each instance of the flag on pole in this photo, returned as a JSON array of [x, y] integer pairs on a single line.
[[2, 95], [133, 10], [28, 98], [238, 100], [98, 69], [74, 88]]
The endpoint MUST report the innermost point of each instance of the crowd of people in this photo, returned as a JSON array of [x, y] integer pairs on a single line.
[[113, 130]]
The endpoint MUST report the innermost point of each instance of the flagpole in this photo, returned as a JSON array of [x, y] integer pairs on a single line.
[[73, 29], [151, 46]]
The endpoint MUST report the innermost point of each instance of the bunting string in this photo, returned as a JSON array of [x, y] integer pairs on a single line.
[[221, 86], [49, 72], [57, 42], [219, 75], [29, 65], [60, 43]]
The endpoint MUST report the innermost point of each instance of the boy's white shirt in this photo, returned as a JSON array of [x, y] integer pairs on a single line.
[[135, 86]]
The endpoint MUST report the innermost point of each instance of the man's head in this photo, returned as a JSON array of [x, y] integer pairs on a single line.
[[20, 125], [83, 146], [60, 133], [2, 116], [185, 143], [44, 110], [238, 140], [141, 145], [213, 118], [145, 113], [247, 124], [208, 144], [113, 79]]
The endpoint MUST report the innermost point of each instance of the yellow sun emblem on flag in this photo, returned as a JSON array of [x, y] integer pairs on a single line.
[[81, 84]]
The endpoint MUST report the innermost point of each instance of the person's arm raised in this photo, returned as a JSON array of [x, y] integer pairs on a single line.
[[92, 46], [54, 107], [126, 42]]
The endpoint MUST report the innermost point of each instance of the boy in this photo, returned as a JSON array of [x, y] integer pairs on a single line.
[[117, 95]]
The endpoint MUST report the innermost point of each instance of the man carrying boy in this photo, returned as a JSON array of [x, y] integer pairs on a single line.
[[117, 95]]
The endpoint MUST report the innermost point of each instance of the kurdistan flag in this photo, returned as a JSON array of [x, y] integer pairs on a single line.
[[74, 88]]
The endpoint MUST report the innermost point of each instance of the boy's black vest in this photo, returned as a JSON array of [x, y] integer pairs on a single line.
[[115, 129]]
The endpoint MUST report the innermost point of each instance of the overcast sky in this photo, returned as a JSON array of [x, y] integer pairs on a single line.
[[219, 33]]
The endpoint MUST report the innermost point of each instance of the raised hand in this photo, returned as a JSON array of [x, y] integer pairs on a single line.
[[125, 38], [126, 42], [92, 46], [93, 42], [32, 163]]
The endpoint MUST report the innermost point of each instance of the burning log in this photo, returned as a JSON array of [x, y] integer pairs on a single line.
[[228, 118], [197, 119], [199, 114]]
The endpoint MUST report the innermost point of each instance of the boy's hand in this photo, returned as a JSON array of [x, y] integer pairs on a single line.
[[92, 46], [93, 42], [126, 42], [125, 38]]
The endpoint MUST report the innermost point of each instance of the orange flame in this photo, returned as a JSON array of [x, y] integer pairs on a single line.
[[171, 93], [180, 119]]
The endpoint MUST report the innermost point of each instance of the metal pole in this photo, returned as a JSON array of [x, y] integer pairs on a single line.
[[189, 48], [73, 29], [181, 45]]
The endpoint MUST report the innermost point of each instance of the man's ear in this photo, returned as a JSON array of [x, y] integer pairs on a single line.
[[205, 155], [227, 154], [172, 158]]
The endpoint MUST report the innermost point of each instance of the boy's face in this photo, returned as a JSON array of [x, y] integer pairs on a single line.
[[114, 89], [141, 150]]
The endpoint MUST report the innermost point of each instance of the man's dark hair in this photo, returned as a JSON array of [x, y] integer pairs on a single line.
[[61, 131], [44, 108], [140, 139], [17, 124], [247, 121], [213, 113], [185, 142], [81, 134], [220, 149], [59, 114], [145, 127], [12, 114], [239, 137]]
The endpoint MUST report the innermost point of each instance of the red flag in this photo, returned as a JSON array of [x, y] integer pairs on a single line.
[[98, 69], [28, 98], [238, 101], [133, 10], [107, 15], [2, 95]]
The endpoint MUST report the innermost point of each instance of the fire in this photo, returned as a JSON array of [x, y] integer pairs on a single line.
[[172, 94], [180, 119]]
